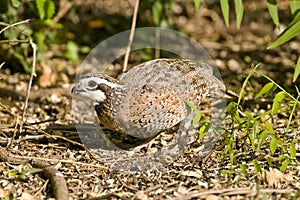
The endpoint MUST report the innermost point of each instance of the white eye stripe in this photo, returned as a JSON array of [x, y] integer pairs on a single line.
[[101, 81]]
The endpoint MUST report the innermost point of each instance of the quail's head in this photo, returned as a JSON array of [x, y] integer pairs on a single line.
[[95, 87]]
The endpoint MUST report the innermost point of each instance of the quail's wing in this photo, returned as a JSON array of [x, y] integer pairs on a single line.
[[155, 94], [155, 109], [152, 101]]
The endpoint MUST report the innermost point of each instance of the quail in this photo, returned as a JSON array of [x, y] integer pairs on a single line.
[[149, 98]]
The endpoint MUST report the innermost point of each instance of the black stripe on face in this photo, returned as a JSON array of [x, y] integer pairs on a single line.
[[105, 88]]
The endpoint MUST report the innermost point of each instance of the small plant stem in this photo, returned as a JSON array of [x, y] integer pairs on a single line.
[[245, 83], [8, 26], [292, 112], [281, 88], [133, 25], [33, 45]]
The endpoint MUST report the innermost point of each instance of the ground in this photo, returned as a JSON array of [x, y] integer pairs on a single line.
[[48, 138]]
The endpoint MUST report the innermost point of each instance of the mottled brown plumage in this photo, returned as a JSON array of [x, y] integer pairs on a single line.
[[149, 98]]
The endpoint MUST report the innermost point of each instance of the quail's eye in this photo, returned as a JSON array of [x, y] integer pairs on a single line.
[[92, 84]]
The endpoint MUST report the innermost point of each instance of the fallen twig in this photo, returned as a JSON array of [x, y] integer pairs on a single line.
[[59, 184], [97, 166]]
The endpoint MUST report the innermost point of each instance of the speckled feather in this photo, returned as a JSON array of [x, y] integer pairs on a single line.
[[155, 92], [149, 98]]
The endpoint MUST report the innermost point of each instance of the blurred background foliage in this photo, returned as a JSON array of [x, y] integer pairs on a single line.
[[62, 29]]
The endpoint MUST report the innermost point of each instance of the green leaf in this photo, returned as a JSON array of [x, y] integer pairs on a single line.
[[191, 105], [256, 166], [297, 69], [40, 4], [293, 150], [197, 118], [262, 138], [51, 23], [244, 169], [284, 164], [251, 138], [249, 116], [46, 8], [291, 31], [15, 3], [239, 11], [281, 157], [224, 172], [50, 8], [23, 62], [264, 90], [40, 38], [203, 128], [273, 10], [269, 126], [273, 145], [231, 107], [72, 51], [13, 173], [157, 11], [269, 161], [252, 135], [294, 5], [277, 100], [225, 10], [85, 49], [197, 4]]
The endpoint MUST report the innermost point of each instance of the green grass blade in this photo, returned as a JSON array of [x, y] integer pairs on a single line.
[[225, 10], [239, 12], [297, 70], [197, 4], [256, 166], [204, 127], [291, 31], [294, 5], [253, 69], [273, 145], [262, 139], [293, 151], [273, 10]]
